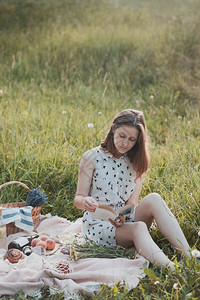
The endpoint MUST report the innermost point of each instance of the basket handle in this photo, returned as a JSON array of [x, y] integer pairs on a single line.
[[15, 182]]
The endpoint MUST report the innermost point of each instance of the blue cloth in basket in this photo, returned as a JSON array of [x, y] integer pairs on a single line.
[[20, 216]]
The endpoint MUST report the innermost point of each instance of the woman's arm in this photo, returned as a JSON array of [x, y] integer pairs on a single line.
[[133, 200], [82, 199]]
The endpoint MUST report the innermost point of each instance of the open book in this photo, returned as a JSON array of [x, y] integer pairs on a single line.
[[106, 212]]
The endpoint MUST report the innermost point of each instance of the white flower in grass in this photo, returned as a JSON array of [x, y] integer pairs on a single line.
[[175, 286], [156, 282], [1, 92], [99, 113], [90, 125], [199, 233], [37, 294], [151, 97], [64, 112], [195, 252]]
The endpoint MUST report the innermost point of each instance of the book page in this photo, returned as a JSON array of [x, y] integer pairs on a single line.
[[104, 214]]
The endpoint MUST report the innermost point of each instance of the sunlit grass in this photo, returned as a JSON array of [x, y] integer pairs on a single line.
[[65, 64]]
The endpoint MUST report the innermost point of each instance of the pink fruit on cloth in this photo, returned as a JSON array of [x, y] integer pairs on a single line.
[[50, 244], [43, 237], [34, 242], [42, 244]]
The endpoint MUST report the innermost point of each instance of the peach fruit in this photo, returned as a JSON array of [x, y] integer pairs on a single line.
[[34, 242], [43, 237], [42, 244], [50, 244]]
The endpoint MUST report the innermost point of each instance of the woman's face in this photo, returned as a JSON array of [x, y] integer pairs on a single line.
[[125, 137]]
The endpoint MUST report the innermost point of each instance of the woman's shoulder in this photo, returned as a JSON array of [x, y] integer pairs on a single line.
[[96, 154], [91, 154], [88, 160], [95, 151]]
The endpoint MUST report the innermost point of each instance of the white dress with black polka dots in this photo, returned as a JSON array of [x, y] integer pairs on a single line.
[[113, 183]]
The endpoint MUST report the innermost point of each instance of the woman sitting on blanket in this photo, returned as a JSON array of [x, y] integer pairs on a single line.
[[112, 174]]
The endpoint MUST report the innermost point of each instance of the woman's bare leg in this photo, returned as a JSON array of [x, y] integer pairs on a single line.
[[137, 234], [154, 207]]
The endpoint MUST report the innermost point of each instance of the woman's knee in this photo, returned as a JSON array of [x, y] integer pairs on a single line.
[[139, 227], [153, 199], [153, 196], [154, 202]]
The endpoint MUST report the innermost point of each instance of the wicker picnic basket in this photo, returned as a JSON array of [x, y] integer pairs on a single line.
[[11, 228]]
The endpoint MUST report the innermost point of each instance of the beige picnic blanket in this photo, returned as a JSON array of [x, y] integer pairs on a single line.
[[86, 275]]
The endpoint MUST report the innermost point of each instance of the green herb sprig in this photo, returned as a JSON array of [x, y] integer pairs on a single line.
[[90, 249]]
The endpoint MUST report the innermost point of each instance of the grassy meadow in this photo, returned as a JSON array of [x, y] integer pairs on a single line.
[[67, 67]]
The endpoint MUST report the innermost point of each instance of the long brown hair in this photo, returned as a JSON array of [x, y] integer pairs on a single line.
[[138, 154]]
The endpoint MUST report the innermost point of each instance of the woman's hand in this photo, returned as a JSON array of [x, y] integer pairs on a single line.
[[118, 222], [90, 204]]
